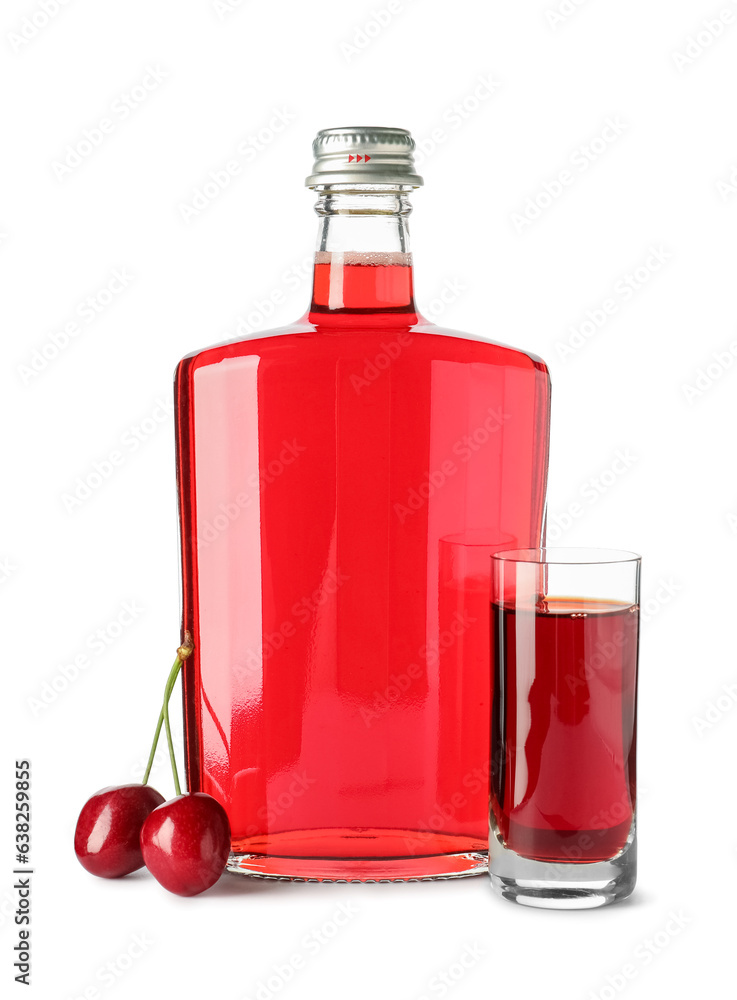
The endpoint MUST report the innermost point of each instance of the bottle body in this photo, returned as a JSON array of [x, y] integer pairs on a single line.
[[338, 700]]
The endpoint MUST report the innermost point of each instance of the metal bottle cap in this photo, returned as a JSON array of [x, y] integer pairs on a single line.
[[363, 155]]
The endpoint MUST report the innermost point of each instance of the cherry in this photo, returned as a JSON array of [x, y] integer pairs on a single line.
[[185, 843], [108, 834]]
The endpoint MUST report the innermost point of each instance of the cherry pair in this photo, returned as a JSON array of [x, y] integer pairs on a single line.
[[184, 842]]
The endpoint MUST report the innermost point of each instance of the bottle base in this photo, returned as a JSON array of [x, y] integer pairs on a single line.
[[353, 855], [359, 869], [562, 886]]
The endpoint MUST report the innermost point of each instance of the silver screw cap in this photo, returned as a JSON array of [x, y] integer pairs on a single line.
[[364, 155]]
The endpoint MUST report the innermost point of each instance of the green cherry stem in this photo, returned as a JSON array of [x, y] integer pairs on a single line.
[[170, 686], [183, 653], [167, 694]]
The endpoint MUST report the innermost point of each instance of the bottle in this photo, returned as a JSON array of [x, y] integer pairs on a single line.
[[342, 483]]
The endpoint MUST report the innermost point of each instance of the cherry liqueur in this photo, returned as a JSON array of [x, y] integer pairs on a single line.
[[343, 482]]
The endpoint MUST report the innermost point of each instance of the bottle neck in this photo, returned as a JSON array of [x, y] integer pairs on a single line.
[[363, 263]]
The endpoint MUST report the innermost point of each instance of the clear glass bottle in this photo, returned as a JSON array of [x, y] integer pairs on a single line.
[[338, 699]]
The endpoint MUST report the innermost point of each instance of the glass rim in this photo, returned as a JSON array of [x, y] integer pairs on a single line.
[[568, 556]]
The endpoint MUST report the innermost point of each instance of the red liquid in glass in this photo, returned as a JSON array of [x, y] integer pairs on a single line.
[[563, 771], [319, 467]]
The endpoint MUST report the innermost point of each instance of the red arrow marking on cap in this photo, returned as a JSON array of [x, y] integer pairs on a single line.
[[350, 159], [366, 159], [358, 159]]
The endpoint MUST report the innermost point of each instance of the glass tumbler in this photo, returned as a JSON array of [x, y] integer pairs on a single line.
[[565, 627]]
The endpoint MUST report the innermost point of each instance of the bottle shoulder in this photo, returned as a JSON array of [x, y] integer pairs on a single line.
[[510, 354], [251, 341], [305, 340]]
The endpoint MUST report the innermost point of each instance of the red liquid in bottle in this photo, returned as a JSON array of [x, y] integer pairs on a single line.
[[563, 765], [320, 466]]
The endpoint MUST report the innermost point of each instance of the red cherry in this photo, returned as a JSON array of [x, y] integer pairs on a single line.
[[107, 840], [186, 842]]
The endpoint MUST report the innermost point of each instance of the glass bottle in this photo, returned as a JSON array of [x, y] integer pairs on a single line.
[[338, 699]]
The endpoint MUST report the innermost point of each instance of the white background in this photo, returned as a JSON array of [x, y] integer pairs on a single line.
[[664, 182]]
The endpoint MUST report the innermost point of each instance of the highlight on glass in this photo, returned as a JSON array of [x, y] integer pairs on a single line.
[[564, 641]]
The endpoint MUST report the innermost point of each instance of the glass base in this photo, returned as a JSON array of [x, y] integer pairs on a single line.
[[560, 886], [359, 869]]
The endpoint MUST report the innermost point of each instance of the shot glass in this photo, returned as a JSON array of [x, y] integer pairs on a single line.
[[565, 627]]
